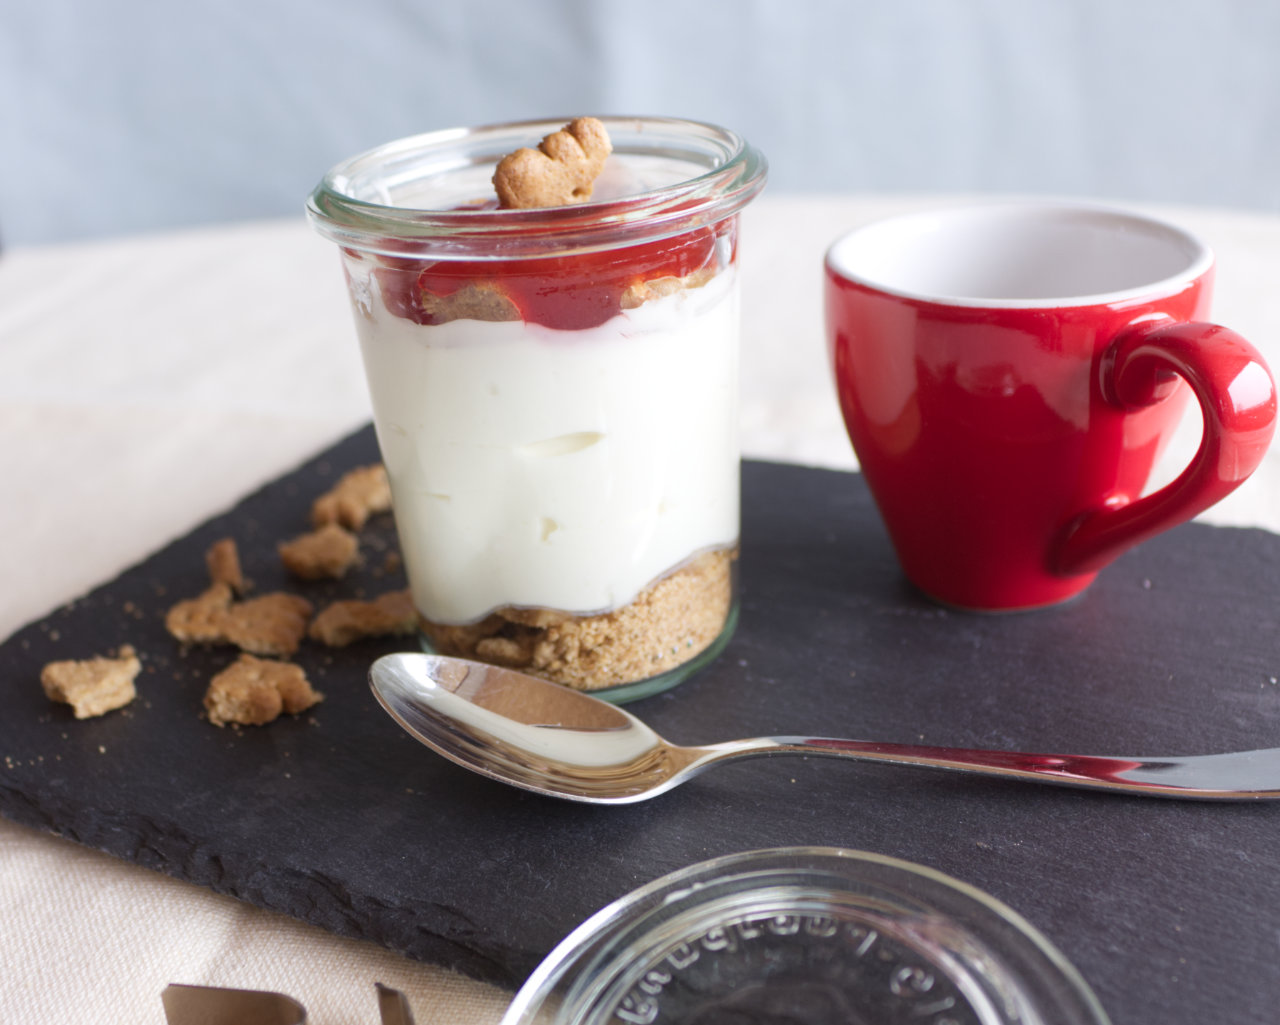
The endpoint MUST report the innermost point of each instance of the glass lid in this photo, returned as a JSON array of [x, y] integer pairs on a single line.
[[806, 936]]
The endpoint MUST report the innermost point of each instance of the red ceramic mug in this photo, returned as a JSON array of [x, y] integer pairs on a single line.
[[1009, 373]]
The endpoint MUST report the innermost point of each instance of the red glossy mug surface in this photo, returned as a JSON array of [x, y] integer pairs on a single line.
[[1009, 374]]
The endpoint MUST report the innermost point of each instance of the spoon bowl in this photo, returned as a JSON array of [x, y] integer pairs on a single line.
[[550, 739]]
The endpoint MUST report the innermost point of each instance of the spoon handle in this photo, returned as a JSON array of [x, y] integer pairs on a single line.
[[1240, 775]]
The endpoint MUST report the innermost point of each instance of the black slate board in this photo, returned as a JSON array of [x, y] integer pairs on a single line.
[[1169, 909]]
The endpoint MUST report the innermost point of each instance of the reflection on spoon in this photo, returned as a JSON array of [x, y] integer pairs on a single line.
[[552, 740]]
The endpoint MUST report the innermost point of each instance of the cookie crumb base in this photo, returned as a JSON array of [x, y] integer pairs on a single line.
[[669, 624]]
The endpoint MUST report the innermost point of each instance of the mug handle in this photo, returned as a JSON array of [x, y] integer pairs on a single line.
[[1237, 401]]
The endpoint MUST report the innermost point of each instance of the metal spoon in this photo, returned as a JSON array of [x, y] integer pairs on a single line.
[[564, 743]]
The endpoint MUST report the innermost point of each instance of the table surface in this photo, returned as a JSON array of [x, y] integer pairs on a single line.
[[147, 383]]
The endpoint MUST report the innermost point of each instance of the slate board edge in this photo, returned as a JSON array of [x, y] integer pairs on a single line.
[[238, 875], [171, 851], [330, 906]]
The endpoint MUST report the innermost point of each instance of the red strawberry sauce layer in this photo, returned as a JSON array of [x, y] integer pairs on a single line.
[[569, 293]]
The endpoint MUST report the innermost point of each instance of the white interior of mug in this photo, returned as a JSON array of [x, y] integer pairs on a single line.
[[1021, 254]]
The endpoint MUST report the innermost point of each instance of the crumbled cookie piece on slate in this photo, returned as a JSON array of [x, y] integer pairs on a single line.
[[254, 691], [201, 620], [272, 624], [93, 686], [325, 553], [357, 496], [345, 622], [223, 560]]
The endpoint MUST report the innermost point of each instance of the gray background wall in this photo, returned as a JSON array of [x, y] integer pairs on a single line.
[[123, 116]]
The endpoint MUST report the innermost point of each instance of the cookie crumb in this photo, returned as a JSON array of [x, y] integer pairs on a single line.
[[560, 172], [473, 301], [272, 624], [640, 292], [93, 686], [254, 691], [200, 620], [327, 552], [223, 561], [357, 496], [345, 622]]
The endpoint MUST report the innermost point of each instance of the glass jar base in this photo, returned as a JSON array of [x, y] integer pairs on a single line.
[[635, 690]]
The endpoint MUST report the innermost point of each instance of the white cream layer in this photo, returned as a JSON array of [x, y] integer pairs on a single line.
[[557, 469]]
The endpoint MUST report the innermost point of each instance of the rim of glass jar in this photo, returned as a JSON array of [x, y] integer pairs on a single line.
[[734, 179], [586, 963]]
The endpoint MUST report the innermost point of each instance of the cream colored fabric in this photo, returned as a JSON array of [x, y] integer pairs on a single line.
[[147, 383], [90, 938]]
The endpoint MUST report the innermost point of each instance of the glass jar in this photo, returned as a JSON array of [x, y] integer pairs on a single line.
[[555, 394], [823, 936]]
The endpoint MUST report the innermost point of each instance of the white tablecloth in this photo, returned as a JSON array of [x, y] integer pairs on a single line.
[[147, 383]]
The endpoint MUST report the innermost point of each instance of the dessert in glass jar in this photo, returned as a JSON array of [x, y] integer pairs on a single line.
[[550, 335]]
